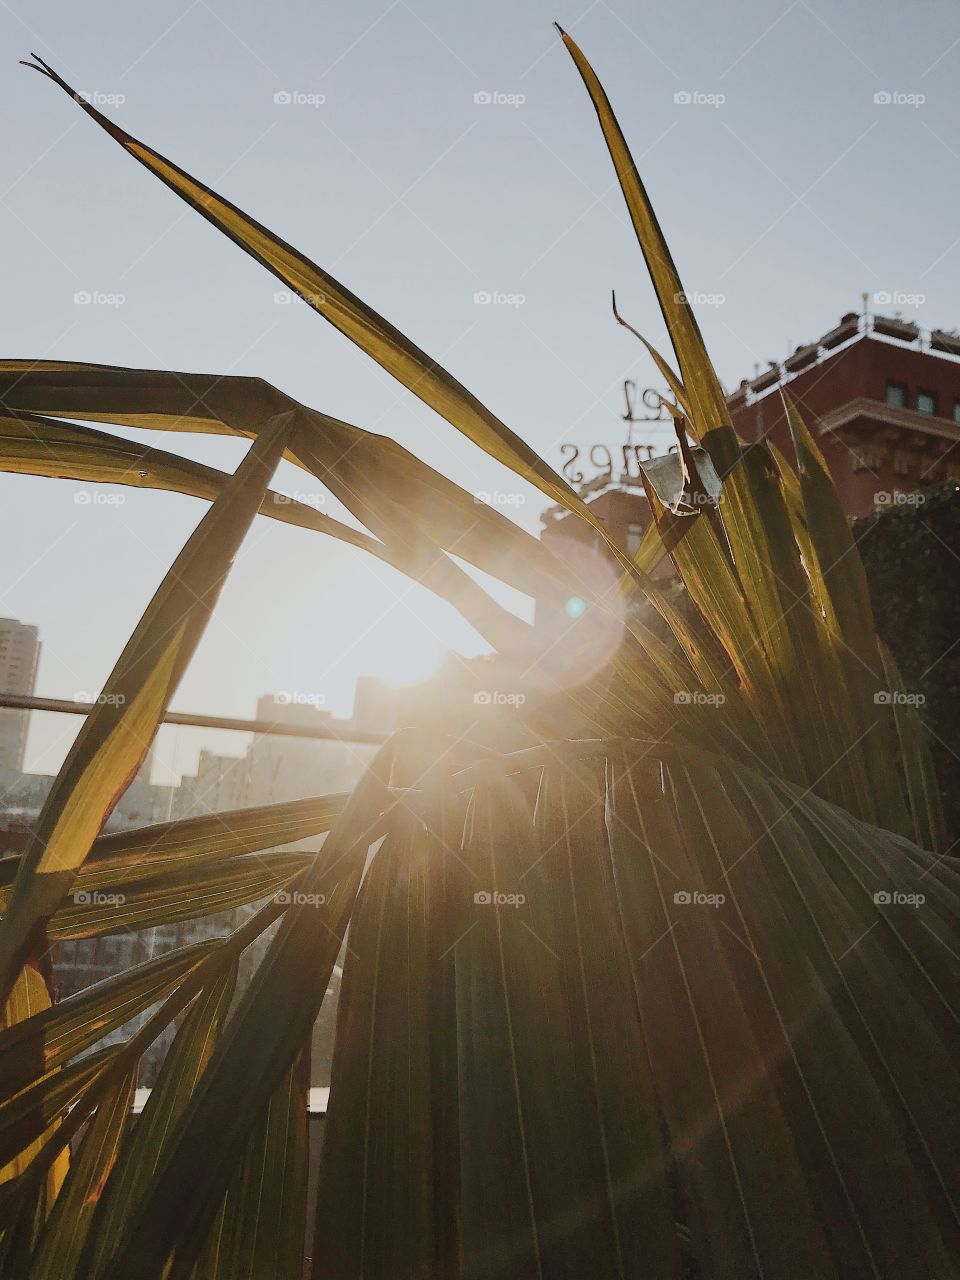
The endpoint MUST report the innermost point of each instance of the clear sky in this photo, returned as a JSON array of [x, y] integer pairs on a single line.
[[785, 188]]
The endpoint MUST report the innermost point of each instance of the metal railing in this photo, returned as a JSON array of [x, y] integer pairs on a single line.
[[282, 728]]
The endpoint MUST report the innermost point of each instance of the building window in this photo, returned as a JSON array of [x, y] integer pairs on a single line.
[[956, 410], [634, 538], [926, 402], [896, 395]]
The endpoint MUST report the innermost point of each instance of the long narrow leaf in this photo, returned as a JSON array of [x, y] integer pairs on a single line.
[[140, 1153], [116, 736], [250, 1060], [357, 321]]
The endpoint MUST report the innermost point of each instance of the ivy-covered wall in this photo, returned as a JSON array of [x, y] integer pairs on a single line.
[[911, 553]]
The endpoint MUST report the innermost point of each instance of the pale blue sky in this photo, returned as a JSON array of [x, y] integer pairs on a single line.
[[789, 198]]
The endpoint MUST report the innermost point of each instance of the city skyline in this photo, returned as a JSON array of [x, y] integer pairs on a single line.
[[373, 710]]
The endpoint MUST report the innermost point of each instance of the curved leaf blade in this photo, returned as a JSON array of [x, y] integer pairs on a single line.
[[115, 737]]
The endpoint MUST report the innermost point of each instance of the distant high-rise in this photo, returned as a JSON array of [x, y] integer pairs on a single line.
[[19, 654], [376, 705], [219, 784], [281, 768]]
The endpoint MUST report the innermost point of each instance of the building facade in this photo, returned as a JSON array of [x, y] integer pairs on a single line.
[[881, 397], [220, 783], [290, 768], [19, 655]]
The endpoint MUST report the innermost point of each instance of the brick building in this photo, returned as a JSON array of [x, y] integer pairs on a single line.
[[881, 396], [882, 399]]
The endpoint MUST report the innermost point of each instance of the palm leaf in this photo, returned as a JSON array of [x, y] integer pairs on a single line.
[[57, 1033], [171, 897], [29, 998], [115, 737], [140, 1153], [212, 835], [59, 1251], [260, 1227], [37, 446], [400, 357], [704, 1023], [414, 510], [284, 995], [716, 1031], [28, 1117]]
